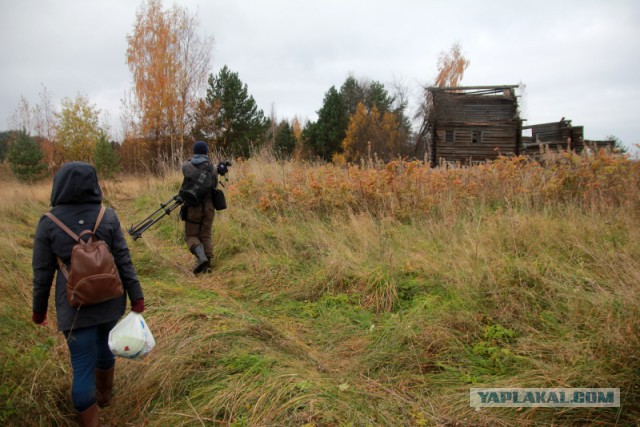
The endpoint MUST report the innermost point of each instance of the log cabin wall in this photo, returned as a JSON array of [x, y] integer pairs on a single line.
[[594, 146], [474, 124], [577, 138], [553, 136], [546, 132]]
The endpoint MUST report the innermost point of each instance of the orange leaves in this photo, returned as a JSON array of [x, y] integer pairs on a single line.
[[370, 133], [407, 190], [169, 62], [451, 67]]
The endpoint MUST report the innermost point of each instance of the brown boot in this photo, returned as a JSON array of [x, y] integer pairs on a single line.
[[89, 417], [104, 386]]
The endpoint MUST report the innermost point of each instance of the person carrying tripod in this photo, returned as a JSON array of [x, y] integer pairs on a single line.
[[198, 214]]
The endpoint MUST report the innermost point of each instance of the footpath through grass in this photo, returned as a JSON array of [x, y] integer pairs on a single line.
[[362, 296]]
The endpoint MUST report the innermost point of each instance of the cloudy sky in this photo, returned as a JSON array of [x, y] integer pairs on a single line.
[[578, 59]]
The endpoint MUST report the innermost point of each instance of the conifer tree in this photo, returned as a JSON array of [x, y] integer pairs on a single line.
[[352, 93], [5, 142], [106, 158], [229, 115], [25, 158], [285, 140], [325, 136], [617, 145]]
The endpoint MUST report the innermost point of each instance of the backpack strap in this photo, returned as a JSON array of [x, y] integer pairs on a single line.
[[60, 224], [73, 235], [100, 215]]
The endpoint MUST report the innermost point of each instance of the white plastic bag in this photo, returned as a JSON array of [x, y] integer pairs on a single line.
[[131, 337]]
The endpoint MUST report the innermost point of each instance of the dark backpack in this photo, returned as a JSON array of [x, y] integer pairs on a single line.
[[197, 184], [92, 276]]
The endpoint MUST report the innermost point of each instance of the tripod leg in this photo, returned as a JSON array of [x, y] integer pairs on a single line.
[[165, 209]]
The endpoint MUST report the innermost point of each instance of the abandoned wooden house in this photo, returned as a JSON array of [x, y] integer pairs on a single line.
[[559, 135], [473, 124]]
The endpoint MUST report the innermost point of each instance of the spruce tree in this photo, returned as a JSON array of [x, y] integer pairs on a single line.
[[285, 140], [25, 158], [5, 142], [229, 115], [106, 158], [326, 135]]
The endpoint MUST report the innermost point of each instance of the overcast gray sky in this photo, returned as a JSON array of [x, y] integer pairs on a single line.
[[578, 59]]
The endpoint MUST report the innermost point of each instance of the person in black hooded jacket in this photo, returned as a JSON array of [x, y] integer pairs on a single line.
[[76, 199], [199, 218]]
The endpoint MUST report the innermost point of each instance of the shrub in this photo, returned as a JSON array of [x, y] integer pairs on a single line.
[[25, 158]]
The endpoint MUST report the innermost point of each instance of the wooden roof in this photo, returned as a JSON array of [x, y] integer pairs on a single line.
[[473, 90]]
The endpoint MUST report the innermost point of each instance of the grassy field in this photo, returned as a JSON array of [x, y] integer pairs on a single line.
[[358, 296]]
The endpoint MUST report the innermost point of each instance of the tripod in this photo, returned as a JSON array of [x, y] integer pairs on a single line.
[[165, 209]]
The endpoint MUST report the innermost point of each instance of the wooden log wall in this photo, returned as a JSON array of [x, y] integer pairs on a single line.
[[546, 132], [553, 136], [597, 145], [577, 138], [493, 116]]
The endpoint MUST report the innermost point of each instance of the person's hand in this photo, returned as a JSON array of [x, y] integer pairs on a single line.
[[39, 318], [138, 305]]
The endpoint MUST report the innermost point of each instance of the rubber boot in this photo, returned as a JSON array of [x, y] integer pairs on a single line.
[[90, 417], [201, 259], [104, 386]]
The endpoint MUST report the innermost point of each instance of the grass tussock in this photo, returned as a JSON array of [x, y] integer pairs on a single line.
[[359, 296]]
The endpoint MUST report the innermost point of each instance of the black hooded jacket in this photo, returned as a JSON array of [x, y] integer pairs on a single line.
[[76, 199]]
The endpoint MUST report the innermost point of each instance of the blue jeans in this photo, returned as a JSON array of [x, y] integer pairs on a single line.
[[89, 351]]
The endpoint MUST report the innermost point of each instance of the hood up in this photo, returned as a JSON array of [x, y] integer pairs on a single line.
[[76, 183], [199, 158]]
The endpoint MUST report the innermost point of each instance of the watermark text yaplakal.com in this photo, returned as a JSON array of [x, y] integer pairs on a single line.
[[545, 397]]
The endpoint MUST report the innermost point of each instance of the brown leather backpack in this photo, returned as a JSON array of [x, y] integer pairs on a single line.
[[92, 276]]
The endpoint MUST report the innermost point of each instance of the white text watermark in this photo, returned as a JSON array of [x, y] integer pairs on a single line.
[[545, 397]]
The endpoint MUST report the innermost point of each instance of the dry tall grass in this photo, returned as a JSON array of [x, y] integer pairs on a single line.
[[363, 296]]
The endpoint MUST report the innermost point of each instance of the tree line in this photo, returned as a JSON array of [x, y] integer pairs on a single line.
[[174, 100]]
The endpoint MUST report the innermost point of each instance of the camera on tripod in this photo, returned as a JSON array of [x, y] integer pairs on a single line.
[[223, 167], [170, 205]]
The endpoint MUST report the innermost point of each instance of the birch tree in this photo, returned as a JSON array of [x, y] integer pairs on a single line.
[[78, 130], [451, 67], [169, 62]]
